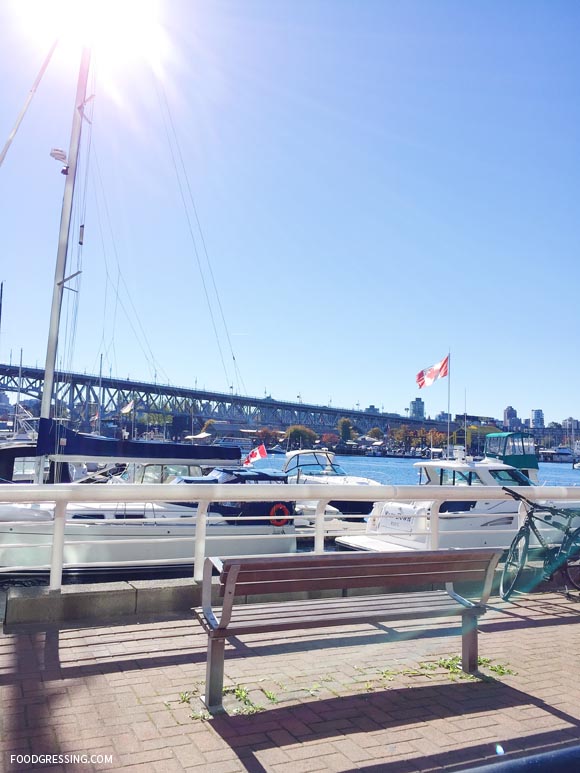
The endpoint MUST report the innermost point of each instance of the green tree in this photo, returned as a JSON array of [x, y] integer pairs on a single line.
[[267, 436], [344, 427], [300, 436]]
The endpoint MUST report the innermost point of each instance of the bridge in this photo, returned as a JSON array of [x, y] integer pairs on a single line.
[[82, 395]]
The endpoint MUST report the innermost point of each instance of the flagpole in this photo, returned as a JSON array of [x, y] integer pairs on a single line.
[[449, 404]]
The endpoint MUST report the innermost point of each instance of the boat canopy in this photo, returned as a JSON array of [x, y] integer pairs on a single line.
[[62, 444], [515, 448], [236, 475]]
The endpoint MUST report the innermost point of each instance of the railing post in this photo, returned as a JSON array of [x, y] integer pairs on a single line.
[[434, 530], [200, 534], [57, 553], [319, 526]]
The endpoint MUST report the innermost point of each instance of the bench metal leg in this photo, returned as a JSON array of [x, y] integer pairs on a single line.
[[214, 675], [469, 642]]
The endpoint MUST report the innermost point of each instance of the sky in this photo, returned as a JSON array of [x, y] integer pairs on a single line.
[[311, 200]]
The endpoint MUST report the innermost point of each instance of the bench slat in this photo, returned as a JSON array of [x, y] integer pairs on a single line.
[[330, 612], [447, 556], [344, 572], [260, 575], [400, 580], [410, 601]]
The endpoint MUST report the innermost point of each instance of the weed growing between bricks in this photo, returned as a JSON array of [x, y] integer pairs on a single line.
[[245, 704]]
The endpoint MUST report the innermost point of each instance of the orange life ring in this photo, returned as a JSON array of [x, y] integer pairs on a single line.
[[274, 512]]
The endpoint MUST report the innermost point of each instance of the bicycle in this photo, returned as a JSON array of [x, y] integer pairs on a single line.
[[565, 556]]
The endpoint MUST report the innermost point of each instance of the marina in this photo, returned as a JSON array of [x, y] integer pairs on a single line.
[[318, 532], [238, 227]]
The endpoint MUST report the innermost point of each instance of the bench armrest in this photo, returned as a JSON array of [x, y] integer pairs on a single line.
[[208, 612], [487, 585], [229, 593], [458, 597]]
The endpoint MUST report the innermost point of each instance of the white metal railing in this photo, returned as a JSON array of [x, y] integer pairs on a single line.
[[61, 495]]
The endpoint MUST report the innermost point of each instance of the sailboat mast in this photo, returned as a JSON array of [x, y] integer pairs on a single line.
[[65, 221]]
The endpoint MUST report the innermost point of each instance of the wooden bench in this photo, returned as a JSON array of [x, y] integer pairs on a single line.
[[389, 577]]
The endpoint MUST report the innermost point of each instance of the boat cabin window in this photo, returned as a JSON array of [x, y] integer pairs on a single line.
[[129, 516], [89, 517], [443, 476], [161, 473], [510, 477]]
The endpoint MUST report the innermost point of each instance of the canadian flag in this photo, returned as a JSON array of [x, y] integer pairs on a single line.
[[429, 375], [255, 454]]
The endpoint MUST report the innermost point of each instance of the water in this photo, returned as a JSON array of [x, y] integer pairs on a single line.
[[401, 472]]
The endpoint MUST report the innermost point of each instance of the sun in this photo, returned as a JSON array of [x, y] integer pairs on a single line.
[[119, 32]]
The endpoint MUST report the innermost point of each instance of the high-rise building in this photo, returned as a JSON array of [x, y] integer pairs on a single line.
[[537, 419], [510, 418], [417, 409]]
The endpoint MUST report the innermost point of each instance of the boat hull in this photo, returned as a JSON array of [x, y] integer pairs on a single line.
[[407, 525], [113, 546]]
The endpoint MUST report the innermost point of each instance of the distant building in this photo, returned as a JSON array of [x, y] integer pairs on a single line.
[[473, 420], [537, 419], [417, 409], [442, 416], [570, 424], [510, 418]]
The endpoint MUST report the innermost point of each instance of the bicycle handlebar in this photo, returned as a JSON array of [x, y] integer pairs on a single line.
[[520, 497], [540, 506]]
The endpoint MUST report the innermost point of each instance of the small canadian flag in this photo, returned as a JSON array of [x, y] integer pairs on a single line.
[[255, 454]]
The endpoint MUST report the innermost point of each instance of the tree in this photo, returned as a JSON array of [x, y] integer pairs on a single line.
[[208, 426], [267, 436], [300, 436], [344, 427], [376, 433], [329, 439]]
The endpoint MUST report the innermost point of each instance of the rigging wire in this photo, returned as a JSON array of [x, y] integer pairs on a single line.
[[117, 285], [31, 93], [121, 284], [182, 172]]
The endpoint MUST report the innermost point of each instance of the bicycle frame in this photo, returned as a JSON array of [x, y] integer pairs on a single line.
[[556, 556]]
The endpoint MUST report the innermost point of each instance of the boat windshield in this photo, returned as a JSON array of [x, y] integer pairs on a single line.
[[313, 463], [320, 469], [510, 477], [443, 476]]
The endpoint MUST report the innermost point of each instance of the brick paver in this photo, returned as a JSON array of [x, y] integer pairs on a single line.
[[362, 697]]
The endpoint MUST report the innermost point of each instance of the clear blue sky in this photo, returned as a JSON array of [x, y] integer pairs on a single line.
[[377, 183]]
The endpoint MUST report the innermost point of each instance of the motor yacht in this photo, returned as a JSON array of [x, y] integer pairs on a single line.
[[316, 466], [475, 521]]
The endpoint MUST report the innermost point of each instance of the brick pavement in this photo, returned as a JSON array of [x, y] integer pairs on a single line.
[[329, 704]]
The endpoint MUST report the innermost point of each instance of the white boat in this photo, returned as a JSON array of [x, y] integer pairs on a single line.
[[472, 522], [137, 537], [319, 467], [97, 536]]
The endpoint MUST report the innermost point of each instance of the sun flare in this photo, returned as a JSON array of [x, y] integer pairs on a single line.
[[120, 32]]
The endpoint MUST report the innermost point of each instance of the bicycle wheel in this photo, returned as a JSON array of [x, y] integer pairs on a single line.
[[572, 565], [514, 563]]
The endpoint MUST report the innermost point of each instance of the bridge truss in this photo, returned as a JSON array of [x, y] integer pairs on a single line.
[[83, 395]]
